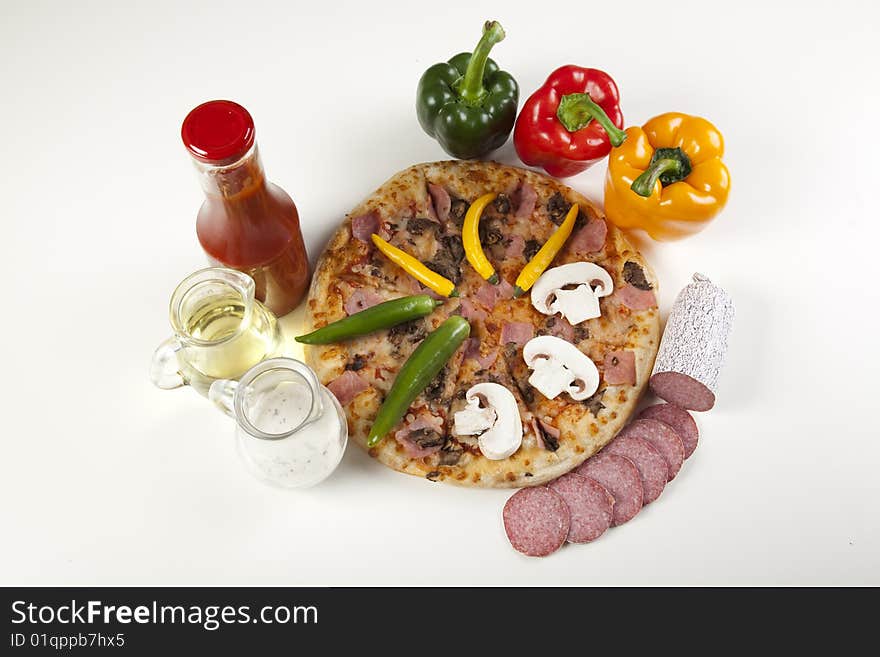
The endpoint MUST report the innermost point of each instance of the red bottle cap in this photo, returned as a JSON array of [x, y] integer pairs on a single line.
[[218, 131]]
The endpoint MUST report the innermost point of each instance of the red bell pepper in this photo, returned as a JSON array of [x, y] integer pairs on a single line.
[[571, 122]]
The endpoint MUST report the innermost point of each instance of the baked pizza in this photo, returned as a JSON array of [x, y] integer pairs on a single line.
[[421, 211]]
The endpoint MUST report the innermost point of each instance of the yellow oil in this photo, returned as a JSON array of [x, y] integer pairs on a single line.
[[223, 344]]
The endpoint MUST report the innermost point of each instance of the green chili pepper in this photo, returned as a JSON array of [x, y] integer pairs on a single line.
[[380, 316], [417, 372], [467, 104]]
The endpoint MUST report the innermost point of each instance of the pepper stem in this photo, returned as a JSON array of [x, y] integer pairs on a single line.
[[644, 184], [668, 165], [575, 111], [471, 87]]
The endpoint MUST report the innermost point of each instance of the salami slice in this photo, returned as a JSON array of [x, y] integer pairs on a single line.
[[621, 479], [651, 465], [661, 437], [682, 390], [693, 346], [591, 506], [677, 418], [537, 521]]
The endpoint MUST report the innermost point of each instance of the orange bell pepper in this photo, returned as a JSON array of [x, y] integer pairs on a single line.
[[667, 178]]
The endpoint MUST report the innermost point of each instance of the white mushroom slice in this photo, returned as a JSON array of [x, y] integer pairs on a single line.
[[491, 409], [473, 420], [550, 296], [577, 305], [560, 367]]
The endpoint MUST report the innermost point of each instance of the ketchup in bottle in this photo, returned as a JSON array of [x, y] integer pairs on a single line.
[[245, 223]]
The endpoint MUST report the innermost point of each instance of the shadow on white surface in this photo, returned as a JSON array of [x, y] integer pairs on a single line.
[[747, 362]]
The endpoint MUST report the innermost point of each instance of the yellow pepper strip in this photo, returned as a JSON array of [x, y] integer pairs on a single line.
[[440, 285], [542, 259], [667, 179], [470, 239]]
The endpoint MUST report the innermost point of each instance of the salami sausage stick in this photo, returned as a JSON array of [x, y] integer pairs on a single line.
[[693, 346]]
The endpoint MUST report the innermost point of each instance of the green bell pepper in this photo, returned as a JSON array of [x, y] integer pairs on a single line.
[[468, 104]]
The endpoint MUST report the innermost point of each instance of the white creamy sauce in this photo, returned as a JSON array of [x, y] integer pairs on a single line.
[[305, 457]]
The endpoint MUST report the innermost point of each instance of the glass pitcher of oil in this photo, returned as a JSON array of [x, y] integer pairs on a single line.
[[220, 331]]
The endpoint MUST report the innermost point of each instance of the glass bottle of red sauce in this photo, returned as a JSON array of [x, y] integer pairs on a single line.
[[246, 222]]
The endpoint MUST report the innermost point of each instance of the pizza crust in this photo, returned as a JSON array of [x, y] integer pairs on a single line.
[[581, 433]]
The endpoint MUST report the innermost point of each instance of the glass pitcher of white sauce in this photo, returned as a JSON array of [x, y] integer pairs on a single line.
[[291, 430]]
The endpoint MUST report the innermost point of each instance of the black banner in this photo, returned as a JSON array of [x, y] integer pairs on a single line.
[[170, 620], [116, 620]]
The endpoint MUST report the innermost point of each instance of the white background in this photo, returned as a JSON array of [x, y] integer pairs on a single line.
[[107, 480]]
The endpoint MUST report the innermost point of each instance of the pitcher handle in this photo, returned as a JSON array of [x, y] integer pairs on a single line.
[[164, 368], [314, 385], [222, 393]]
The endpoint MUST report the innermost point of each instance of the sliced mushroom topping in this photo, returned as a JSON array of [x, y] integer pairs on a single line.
[[491, 412], [557, 208], [425, 438], [418, 225], [414, 330], [458, 210], [558, 366], [572, 290], [532, 247], [475, 418], [634, 274], [501, 204], [451, 452], [357, 363], [435, 388], [594, 402], [490, 233]]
